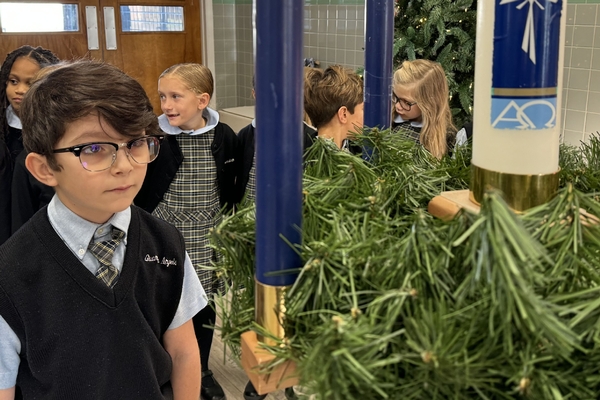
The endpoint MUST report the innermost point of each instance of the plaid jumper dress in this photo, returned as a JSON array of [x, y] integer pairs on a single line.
[[414, 133], [251, 186], [192, 205]]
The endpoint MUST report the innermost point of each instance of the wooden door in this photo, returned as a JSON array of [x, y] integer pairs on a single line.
[[128, 37], [146, 54]]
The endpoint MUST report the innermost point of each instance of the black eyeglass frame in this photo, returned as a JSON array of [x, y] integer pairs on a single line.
[[396, 99], [77, 149]]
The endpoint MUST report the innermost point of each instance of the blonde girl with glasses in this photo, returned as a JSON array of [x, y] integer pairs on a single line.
[[421, 110]]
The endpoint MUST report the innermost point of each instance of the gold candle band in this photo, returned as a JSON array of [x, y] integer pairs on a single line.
[[519, 191], [269, 309]]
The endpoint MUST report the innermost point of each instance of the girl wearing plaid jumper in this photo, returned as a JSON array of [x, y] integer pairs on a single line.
[[421, 110], [193, 179]]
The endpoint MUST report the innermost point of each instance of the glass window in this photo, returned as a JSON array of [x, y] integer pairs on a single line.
[[39, 17], [151, 19]]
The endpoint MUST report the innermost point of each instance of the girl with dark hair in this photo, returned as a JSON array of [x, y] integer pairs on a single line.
[[17, 72]]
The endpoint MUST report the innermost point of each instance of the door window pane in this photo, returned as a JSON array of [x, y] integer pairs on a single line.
[[151, 19], [39, 17]]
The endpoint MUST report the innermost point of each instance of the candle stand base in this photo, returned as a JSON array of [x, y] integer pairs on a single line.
[[255, 358]]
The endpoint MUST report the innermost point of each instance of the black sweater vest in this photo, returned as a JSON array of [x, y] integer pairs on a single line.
[[80, 339]]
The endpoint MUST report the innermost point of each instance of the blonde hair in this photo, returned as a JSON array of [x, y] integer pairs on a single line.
[[325, 91], [427, 83], [196, 77]]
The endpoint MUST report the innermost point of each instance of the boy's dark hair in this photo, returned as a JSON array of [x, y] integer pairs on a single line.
[[325, 91], [40, 55], [76, 90]]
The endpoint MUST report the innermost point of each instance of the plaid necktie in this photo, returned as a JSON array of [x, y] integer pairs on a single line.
[[104, 251]]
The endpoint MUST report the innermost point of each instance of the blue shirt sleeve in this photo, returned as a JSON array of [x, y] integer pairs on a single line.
[[10, 348], [193, 298]]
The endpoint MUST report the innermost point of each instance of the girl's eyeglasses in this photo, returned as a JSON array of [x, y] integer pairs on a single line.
[[100, 156], [405, 105]]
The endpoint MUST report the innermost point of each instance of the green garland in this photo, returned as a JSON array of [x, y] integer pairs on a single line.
[[392, 303]]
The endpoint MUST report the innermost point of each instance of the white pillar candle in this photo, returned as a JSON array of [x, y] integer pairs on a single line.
[[518, 85]]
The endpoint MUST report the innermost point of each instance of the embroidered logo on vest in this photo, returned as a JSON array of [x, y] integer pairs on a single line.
[[157, 260]]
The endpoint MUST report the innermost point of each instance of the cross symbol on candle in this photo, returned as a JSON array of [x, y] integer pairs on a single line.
[[528, 43]]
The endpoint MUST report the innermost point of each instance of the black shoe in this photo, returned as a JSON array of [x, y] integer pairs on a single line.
[[290, 394], [211, 390], [251, 394]]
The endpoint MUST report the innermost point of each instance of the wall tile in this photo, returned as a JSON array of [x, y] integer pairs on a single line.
[[572, 138], [569, 35], [351, 14], [360, 13], [331, 26], [592, 122], [581, 57], [583, 36], [585, 14], [597, 36], [577, 100], [571, 8], [568, 56], [334, 34], [574, 120], [596, 59], [594, 84], [593, 103], [579, 79]]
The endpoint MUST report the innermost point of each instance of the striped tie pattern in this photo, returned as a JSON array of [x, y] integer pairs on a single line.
[[104, 251]]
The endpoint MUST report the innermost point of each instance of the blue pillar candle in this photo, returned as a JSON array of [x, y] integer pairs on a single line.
[[379, 37], [279, 109]]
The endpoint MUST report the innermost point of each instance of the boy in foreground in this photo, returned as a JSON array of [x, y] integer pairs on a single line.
[[96, 296]]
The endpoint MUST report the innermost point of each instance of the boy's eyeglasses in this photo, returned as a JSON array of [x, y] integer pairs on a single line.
[[405, 105], [100, 156]]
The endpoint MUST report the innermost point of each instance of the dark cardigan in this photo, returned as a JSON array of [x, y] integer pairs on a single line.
[[161, 171]]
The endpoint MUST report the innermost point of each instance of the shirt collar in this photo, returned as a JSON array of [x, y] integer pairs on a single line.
[[12, 119], [398, 120], [76, 232], [212, 119]]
